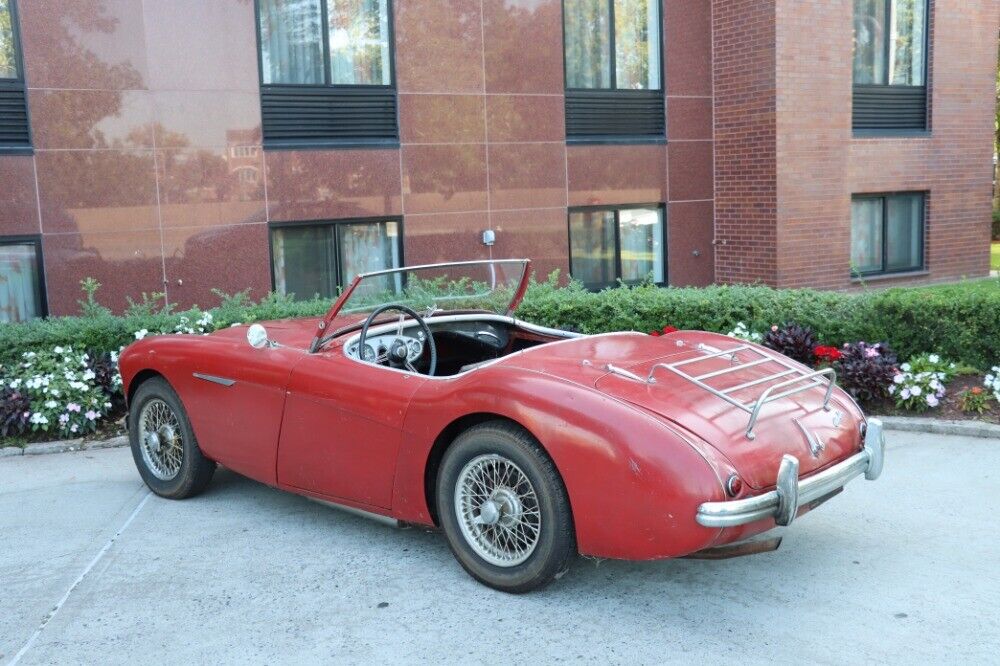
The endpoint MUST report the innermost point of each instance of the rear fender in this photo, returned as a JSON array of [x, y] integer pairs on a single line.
[[634, 482]]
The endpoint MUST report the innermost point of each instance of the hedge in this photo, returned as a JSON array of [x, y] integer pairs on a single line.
[[961, 322]]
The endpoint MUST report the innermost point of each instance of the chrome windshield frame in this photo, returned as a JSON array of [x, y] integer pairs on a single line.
[[321, 336]]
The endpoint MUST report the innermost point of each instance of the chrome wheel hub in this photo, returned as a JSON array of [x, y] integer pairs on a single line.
[[159, 440], [497, 510]]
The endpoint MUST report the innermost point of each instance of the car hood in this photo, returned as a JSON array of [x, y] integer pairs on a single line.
[[790, 425]]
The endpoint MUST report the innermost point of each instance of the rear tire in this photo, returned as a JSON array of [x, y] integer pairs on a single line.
[[164, 447], [504, 508]]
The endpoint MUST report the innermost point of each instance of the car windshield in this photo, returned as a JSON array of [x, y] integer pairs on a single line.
[[490, 286]]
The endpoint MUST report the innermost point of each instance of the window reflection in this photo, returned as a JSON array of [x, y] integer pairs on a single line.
[[624, 244], [889, 41], [20, 282], [359, 42], [630, 27], [356, 50], [291, 41], [8, 54], [318, 259]]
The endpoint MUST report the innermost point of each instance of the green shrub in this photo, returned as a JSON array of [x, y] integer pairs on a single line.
[[960, 322]]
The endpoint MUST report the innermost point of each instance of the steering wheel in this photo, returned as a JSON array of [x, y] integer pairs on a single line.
[[398, 355]]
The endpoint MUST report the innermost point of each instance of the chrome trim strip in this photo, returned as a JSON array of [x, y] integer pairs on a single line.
[[790, 493], [361, 513], [478, 262], [222, 381]]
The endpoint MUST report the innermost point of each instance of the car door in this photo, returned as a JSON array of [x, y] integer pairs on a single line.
[[342, 428], [234, 395]]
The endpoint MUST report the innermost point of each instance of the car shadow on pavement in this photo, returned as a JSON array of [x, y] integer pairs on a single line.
[[806, 552]]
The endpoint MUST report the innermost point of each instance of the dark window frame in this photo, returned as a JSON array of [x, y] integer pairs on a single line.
[[17, 87], [875, 105], [884, 197], [341, 283], [331, 93], [616, 209], [616, 123], [36, 240]]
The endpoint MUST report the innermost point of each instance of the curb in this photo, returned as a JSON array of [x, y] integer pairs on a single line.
[[63, 446], [941, 427]]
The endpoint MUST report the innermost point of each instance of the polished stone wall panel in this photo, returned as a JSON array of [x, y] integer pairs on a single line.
[[19, 207], [127, 263], [84, 44], [150, 165]]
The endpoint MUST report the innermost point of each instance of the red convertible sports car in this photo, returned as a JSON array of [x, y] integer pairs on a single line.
[[421, 399]]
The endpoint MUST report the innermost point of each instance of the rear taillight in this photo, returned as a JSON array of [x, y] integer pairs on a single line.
[[734, 485]]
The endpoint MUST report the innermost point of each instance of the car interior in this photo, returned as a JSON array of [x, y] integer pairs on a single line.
[[460, 345]]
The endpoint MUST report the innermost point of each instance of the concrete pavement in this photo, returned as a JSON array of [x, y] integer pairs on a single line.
[[94, 570]]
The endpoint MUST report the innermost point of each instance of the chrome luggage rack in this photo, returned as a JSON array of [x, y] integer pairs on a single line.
[[794, 379]]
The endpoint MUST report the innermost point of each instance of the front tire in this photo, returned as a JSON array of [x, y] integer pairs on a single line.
[[504, 508], [164, 447]]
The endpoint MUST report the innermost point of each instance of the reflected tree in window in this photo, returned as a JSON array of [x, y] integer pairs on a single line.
[[8, 53]]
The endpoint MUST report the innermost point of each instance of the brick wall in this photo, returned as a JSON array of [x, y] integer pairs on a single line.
[[745, 140], [787, 162]]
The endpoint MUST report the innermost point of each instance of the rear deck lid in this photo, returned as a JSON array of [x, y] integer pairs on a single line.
[[796, 424]]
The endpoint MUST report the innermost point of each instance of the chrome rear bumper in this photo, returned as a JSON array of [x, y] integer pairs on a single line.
[[790, 493]]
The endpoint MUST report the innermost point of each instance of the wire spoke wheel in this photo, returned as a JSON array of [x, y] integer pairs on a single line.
[[498, 511], [161, 442]]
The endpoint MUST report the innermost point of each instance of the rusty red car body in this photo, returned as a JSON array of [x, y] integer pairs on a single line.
[[641, 450]]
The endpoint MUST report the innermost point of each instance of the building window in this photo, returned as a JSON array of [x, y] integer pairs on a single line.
[[887, 233], [611, 244], [326, 72], [22, 284], [890, 65], [321, 258], [614, 78], [15, 136]]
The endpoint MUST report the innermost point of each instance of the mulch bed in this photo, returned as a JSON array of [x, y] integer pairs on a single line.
[[950, 407]]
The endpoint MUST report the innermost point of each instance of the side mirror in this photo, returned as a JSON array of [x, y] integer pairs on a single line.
[[257, 336]]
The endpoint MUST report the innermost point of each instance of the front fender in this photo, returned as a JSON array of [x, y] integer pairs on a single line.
[[634, 481]]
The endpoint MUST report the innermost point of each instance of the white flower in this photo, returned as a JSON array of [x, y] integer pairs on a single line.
[[934, 358], [906, 367], [905, 393], [58, 350], [916, 390], [932, 401], [88, 375], [91, 415], [898, 379], [50, 404], [139, 335], [73, 428]]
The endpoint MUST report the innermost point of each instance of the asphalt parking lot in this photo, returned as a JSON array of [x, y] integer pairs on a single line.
[[95, 570]]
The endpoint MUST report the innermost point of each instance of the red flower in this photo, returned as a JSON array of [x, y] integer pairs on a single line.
[[655, 333], [670, 329], [827, 353]]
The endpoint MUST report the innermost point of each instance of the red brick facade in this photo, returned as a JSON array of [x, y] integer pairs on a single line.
[[787, 162]]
